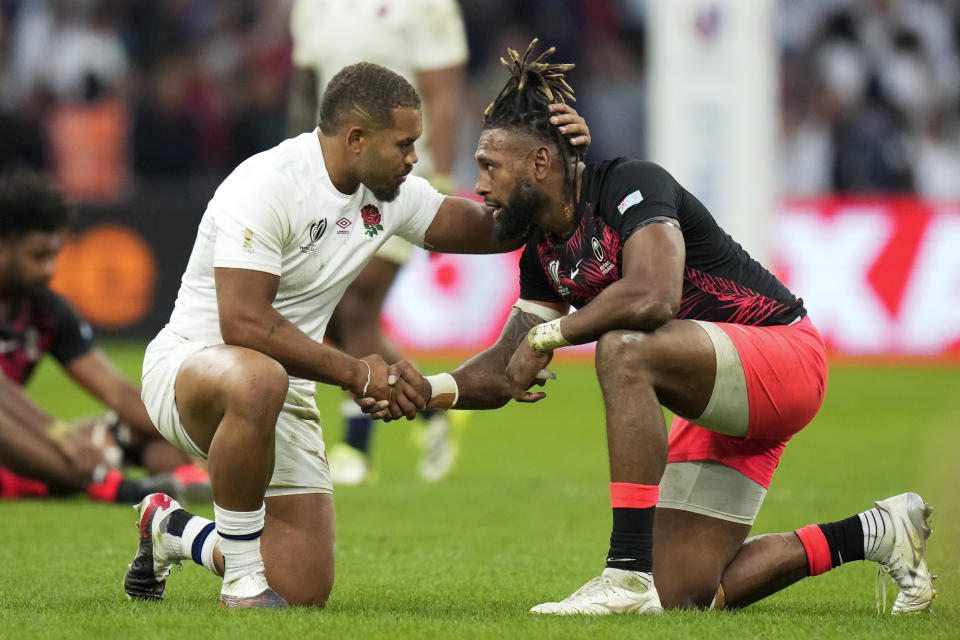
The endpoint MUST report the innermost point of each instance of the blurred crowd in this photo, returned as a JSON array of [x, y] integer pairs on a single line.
[[105, 93]]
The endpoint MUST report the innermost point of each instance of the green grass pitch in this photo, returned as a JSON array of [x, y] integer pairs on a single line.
[[523, 518]]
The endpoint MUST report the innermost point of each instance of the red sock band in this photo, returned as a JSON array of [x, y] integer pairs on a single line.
[[106, 491], [818, 551], [633, 496]]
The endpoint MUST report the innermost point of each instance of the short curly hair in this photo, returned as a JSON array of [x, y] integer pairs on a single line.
[[30, 202], [367, 90]]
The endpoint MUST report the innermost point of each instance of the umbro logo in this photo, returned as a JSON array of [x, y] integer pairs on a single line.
[[344, 224]]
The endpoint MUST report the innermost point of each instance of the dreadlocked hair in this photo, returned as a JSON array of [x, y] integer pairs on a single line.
[[522, 104], [367, 90]]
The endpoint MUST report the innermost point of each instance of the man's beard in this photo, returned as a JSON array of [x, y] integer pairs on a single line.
[[518, 213], [385, 193]]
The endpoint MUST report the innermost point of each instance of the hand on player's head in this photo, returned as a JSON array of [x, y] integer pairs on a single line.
[[571, 124]]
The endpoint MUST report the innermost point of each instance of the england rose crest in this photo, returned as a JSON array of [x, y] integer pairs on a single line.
[[371, 219]]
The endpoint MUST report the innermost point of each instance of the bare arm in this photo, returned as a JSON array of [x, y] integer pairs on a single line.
[[482, 379], [17, 406], [248, 319], [464, 226], [442, 91], [646, 296], [302, 103], [94, 372]]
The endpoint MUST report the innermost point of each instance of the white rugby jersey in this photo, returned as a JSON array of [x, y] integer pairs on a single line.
[[405, 36], [278, 212]]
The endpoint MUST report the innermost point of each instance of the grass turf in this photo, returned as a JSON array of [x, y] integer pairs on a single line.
[[522, 519]]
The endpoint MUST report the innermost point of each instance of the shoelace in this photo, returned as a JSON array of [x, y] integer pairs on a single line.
[[598, 585], [883, 576]]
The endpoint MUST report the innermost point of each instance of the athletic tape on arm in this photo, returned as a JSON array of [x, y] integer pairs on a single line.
[[444, 391], [537, 309]]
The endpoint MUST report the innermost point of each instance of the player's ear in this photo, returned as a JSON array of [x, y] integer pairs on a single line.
[[354, 138], [542, 158]]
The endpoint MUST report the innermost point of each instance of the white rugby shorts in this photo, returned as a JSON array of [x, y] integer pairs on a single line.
[[300, 464]]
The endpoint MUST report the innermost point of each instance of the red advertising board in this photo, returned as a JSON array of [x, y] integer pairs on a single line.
[[880, 278]]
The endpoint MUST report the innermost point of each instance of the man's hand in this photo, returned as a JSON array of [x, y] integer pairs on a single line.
[[571, 124], [524, 370], [85, 451], [408, 394]]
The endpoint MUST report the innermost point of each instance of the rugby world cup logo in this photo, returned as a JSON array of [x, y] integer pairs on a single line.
[[314, 233], [554, 268], [317, 229]]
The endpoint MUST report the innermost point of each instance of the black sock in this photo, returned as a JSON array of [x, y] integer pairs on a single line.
[[631, 541], [845, 539], [177, 521], [358, 432]]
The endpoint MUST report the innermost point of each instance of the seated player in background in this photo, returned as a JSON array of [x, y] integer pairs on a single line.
[[425, 42], [683, 318], [38, 454]]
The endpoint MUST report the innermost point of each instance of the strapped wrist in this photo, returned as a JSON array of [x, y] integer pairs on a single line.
[[546, 336], [58, 430], [444, 391]]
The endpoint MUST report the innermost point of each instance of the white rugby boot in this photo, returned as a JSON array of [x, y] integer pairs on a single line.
[[613, 591], [249, 591], [901, 551], [439, 449], [147, 574], [348, 466]]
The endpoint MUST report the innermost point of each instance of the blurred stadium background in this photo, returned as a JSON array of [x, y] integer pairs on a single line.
[[824, 134]]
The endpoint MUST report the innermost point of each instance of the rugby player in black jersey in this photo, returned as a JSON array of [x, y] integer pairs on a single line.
[[39, 455], [683, 318]]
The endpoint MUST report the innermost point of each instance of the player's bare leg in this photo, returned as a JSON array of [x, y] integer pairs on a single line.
[[229, 399], [638, 372], [298, 547], [690, 554], [65, 467], [892, 534], [31, 454]]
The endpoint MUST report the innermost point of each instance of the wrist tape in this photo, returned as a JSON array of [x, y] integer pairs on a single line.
[[444, 391], [546, 336]]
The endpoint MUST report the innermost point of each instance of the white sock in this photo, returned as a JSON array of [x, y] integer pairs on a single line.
[[201, 551], [240, 533], [876, 524]]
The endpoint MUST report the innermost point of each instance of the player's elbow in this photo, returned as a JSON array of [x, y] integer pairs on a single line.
[[650, 313], [236, 332]]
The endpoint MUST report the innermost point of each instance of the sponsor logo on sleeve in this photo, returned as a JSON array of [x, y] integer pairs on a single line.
[[634, 198]]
